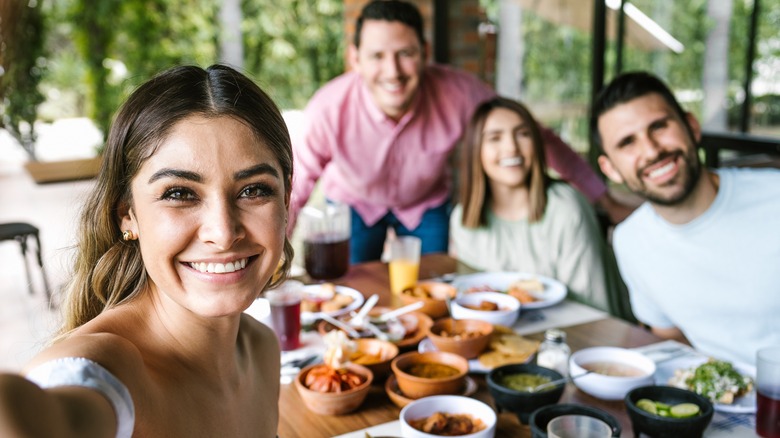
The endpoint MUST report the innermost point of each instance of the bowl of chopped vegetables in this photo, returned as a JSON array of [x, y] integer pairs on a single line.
[[665, 411], [523, 388]]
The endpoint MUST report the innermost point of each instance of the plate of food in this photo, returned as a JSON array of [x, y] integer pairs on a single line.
[[330, 299], [413, 327], [533, 291], [505, 347], [729, 386]]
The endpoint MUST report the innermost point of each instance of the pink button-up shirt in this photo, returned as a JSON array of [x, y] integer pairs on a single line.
[[375, 164]]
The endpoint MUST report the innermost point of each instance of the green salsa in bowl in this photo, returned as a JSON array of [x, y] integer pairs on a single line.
[[510, 386]]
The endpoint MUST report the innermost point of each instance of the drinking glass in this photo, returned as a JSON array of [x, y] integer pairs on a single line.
[[404, 262], [768, 392], [326, 233], [578, 426], [285, 302]]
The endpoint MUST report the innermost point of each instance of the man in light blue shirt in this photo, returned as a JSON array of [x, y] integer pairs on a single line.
[[701, 257]]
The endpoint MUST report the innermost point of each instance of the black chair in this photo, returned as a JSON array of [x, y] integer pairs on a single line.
[[20, 231]]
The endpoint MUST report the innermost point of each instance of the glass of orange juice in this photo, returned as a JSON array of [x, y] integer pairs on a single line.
[[404, 262]]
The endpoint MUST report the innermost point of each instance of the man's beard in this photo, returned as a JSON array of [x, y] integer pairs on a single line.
[[690, 172]]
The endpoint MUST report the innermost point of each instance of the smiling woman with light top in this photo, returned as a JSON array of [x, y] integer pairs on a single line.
[[183, 231], [512, 216]]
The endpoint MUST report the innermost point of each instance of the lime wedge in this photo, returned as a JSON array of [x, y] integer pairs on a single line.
[[684, 410], [646, 405]]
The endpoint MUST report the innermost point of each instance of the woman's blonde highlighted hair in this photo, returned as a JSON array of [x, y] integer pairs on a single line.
[[109, 271], [474, 188]]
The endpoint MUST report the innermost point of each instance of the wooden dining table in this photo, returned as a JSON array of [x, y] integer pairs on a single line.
[[372, 278]]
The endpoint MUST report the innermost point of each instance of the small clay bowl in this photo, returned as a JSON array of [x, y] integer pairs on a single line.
[[465, 337], [385, 351], [334, 403], [422, 322], [434, 295], [415, 387]]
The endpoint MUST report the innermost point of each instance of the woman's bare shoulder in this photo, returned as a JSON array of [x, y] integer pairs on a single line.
[[112, 351]]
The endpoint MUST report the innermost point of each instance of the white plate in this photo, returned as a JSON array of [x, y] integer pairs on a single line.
[[475, 366], [742, 405], [310, 317], [554, 291]]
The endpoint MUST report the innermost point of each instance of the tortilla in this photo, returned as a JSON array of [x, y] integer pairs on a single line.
[[507, 347]]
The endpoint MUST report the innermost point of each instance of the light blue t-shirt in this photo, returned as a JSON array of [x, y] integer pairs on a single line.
[[717, 278]]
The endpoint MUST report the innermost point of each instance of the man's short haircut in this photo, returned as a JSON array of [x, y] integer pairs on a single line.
[[627, 87], [391, 10]]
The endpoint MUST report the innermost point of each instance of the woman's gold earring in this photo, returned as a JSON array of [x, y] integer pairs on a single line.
[[128, 235]]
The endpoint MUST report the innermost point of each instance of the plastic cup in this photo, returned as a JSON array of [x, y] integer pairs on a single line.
[[768, 392], [404, 262], [285, 303], [578, 426]]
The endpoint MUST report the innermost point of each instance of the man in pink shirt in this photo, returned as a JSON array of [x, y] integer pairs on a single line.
[[380, 137]]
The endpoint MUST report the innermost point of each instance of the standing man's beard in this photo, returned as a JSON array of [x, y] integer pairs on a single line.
[[690, 172]]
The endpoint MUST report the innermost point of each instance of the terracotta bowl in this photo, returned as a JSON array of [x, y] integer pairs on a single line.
[[334, 403], [465, 337], [433, 294], [422, 321], [417, 387], [383, 350]]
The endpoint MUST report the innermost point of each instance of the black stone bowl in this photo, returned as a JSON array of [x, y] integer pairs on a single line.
[[542, 416], [523, 403], [661, 427]]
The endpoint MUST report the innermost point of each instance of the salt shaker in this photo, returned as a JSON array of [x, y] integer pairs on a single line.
[[554, 352]]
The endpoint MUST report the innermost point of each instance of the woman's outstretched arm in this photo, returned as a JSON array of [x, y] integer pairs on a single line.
[[26, 410]]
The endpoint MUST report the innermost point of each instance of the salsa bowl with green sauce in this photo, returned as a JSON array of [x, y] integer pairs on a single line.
[[513, 388]]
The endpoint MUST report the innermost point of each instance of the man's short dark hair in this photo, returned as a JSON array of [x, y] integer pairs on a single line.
[[627, 87], [391, 10]]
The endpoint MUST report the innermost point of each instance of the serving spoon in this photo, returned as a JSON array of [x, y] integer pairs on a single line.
[[398, 312], [359, 319], [346, 327]]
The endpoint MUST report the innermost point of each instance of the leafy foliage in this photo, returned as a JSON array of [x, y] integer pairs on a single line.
[[292, 47], [295, 49], [23, 66]]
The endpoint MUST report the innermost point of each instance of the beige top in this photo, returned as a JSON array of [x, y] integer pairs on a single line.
[[566, 244]]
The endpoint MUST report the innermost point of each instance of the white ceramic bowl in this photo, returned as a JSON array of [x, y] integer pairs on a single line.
[[452, 404], [610, 387], [505, 317]]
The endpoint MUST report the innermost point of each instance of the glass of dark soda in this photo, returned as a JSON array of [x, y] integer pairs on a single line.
[[768, 392], [326, 234]]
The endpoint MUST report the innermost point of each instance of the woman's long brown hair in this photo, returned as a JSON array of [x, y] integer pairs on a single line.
[[108, 271], [474, 188]]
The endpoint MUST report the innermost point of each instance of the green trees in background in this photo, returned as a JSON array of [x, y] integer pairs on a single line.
[[22, 66], [93, 53], [556, 65], [105, 49], [293, 49]]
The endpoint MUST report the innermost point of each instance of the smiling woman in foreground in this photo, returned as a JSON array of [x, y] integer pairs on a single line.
[[184, 229]]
